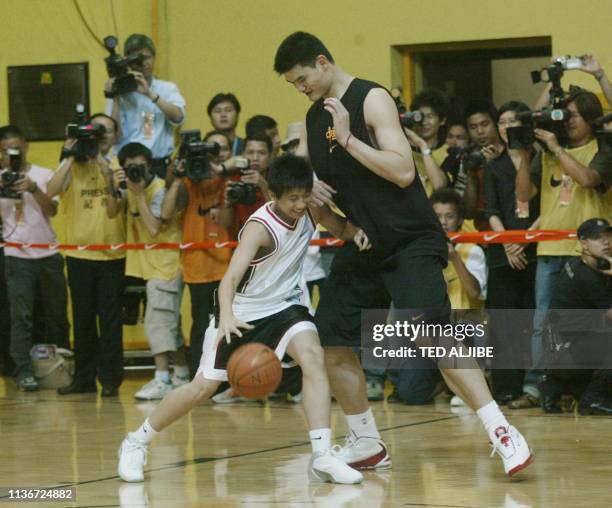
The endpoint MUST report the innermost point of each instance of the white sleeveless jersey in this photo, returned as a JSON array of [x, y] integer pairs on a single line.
[[271, 283]]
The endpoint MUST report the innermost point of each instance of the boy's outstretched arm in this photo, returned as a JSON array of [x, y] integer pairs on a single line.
[[340, 227]]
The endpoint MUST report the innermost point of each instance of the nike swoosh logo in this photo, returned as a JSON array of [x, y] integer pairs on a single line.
[[529, 236], [221, 245], [316, 438], [116, 246], [185, 245], [488, 238], [81, 247], [149, 246]]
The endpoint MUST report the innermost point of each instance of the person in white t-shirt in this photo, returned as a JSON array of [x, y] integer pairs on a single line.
[[26, 210]]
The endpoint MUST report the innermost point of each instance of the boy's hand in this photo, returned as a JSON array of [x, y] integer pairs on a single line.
[[229, 326]]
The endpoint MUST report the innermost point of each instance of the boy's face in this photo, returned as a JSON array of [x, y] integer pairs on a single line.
[[292, 204], [448, 216]]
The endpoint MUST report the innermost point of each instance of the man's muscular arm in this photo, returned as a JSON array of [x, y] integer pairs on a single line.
[[392, 160]]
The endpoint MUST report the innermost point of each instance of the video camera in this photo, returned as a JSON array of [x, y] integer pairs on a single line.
[[11, 175], [195, 154], [241, 192], [469, 156], [408, 119], [118, 67], [88, 136]]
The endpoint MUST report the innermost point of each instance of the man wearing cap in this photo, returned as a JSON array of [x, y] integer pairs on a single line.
[[148, 115]]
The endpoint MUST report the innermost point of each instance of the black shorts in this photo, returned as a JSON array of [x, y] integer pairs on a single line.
[[410, 281], [275, 331]]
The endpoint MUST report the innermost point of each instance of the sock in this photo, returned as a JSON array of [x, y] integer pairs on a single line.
[[181, 370], [162, 375], [363, 424], [320, 439], [492, 418], [145, 433]]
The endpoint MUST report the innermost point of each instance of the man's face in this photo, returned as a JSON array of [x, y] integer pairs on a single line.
[[577, 127], [457, 136], [507, 119], [110, 135], [258, 155], [148, 62], [431, 124], [482, 129], [600, 247], [293, 203], [314, 82], [16, 143], [276, 140], [224, 116], [448, 216], [225, 152]]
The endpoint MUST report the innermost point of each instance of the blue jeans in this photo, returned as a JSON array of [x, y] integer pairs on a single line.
[[547, 273]]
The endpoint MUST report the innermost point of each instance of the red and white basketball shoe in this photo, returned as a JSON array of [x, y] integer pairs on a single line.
[[361, 452], [513, 449]]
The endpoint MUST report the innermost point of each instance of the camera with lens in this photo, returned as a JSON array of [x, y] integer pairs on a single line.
[[87, 136], [469, 156], [195, 154], [410, 119], [241, 193], [11, 175], [118, 67], [134, 173]]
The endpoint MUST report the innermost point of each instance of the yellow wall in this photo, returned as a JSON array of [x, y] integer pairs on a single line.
[[207, 46]]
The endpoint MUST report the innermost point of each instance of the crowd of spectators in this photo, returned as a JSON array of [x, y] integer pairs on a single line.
[[139, 188]]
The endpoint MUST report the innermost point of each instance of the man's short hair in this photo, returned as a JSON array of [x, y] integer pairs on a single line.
[[132, 150], [223, 97], [11, 131], [104, 115], [300, 48], [588, 105], [259, 123], [484, 106], [261, 137], [217, 133], [434, 99], [516, 106], [138, 42], [289, 172], [448, 196]]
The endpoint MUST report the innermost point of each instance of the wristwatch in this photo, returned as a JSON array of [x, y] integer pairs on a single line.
[[427, 151]]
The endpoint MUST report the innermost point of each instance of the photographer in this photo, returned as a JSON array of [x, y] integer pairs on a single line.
[[512, 266], [223, 111], [245, 195], [481, 118], [425, 137], [139, 192], [25, 210], [262, 124], [96, 278], [204, 219], [147, 115]]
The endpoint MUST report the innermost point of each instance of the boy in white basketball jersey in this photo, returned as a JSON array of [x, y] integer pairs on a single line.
[[259, 301]]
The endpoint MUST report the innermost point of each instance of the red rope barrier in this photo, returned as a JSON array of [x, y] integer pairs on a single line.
[[517, 236]]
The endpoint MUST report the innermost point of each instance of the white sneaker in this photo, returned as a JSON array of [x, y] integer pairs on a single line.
[[179, 381], [132, 459], [457, 401], [155, 389], [513, 449], [228, 397], [326, 467], [361, 452]]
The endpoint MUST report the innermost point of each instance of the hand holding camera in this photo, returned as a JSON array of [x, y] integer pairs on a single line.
[[548, 138]]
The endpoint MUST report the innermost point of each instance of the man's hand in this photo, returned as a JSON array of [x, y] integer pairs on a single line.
[[340, 117], [361, 240], [322, 194], [452, 253], [490, 152], [516, 255], [416, 140], [143, 84], [118, 178], [548, 138], [230, 326], [24, 184], [609, 270], [590, 65], [253, 177], [108, 86]]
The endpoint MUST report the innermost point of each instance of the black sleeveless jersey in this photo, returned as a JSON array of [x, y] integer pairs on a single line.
[[392, 217]]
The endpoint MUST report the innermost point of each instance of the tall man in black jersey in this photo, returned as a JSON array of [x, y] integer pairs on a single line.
[[361, 155]]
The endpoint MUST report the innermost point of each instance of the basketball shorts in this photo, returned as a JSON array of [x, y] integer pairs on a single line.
[[275, 331]]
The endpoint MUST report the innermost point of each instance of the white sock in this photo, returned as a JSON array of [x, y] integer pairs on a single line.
[[163, 375], [363, 424], [145, 433], [492, 418], [181, 370], [320, 439]]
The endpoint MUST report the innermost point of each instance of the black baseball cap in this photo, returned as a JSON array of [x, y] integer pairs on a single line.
[[592, 228]]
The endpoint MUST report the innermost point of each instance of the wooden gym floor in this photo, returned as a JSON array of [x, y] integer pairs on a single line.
[[254, 455]]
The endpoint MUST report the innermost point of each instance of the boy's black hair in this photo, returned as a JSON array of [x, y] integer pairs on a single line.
[[223, 97], [448, 196], [299, 48], [516, 106], [132, 150], [435, 99], [484, 106], [259, 123], [289, 172], [588, 105], [138, 42], [11, 131], [262, 137]]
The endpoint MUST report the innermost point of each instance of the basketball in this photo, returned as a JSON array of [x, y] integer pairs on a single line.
[[254, 371]]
